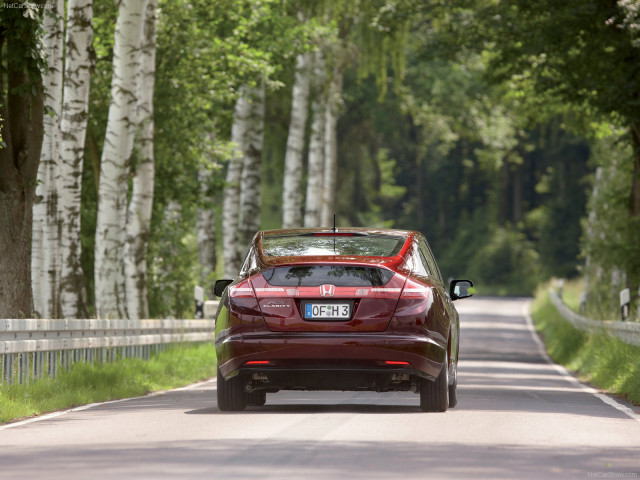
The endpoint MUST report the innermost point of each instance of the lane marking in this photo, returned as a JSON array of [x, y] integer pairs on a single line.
[[568, 376], [49, 416]]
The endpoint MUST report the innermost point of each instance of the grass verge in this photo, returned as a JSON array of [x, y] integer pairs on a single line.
[[604, 361], [85, 383]]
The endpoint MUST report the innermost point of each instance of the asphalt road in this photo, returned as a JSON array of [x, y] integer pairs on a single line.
[[518, 416]]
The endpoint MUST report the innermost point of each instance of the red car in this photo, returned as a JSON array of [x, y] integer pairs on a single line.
[[354, 309]]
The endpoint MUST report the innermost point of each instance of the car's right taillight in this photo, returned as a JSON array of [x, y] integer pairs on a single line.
[[413, 306]]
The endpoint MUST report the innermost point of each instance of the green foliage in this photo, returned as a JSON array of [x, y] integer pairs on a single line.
[[598, 358], [86, 383]]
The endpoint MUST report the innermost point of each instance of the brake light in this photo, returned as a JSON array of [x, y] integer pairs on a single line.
[[390, 362], [258, 362], [413, 289]]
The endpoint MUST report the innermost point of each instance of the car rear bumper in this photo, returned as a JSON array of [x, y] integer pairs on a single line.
[[305, 352]]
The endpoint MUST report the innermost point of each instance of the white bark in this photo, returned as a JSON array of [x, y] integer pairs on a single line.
[[140, 206], [205, 229], [291, 198], [315, 180], [114, 169], [74, 126], [249, 222], [45, 256], [331, 149], [231, 202]]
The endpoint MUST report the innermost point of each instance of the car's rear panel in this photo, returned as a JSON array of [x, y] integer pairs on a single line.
[[392, 333]]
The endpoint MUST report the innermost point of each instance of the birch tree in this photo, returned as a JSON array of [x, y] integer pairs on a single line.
[[249, 222], [45, 261], [291, 198], [78, 65], [114, 169], [313, 204], [205, 228], [140, 206], [231, 202], [331, 148]]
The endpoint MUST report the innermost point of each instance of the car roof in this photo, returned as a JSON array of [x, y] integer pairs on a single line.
[[394, 262]]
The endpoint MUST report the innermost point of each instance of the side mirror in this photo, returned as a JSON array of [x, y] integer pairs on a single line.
[[219, 287], [461, 289]]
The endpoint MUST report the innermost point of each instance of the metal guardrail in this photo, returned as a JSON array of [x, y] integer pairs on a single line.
[[31, 348], [628, 332]]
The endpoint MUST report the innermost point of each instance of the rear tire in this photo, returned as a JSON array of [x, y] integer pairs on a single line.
[[453, 396], [231, 396], [434, 394]]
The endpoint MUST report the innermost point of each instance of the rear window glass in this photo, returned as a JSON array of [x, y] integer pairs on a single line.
[[303, 245], [338, 275]]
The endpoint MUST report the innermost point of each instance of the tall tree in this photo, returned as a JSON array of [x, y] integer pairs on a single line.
[[231, 202], [291, 197], [334, 101], [46, 253], [315, 180], [249, 221], [21, 132], [140, 206], [78, 66], [114, 168]]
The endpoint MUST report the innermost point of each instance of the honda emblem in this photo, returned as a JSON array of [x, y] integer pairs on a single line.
[[327, 290]]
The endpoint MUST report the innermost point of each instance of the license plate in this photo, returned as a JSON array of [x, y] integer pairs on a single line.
[[332, 311]]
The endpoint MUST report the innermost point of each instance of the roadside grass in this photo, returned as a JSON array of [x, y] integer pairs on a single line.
[[84, 383], [598, 358], [571, 293]]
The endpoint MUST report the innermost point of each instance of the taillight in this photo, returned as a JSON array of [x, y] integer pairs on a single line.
[[415, 300], [242, 290], [244, 310]]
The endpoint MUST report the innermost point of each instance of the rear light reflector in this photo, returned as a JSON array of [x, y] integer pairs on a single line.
[[258, 362], [390, 362]]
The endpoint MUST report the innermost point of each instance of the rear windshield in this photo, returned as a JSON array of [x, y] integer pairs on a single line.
[[338, 275], [308, 245]]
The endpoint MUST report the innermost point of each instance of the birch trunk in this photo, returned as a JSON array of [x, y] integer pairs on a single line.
[[291, 202], [250, 180], [231, 202], [78, 65], [140, 206], [205, 229], [45, 256], [331, 149], [315, 180], [114, 168]]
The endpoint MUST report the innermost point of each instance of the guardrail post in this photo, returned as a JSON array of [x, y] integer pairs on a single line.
[[625, 303], [560, 285], [198, 294]]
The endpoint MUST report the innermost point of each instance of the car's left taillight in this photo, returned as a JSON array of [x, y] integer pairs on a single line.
[[244, 311]]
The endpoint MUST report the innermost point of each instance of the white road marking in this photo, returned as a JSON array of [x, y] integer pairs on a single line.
[[49, 416], [568, 376]]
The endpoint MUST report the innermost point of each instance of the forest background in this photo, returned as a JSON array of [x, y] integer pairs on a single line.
[[507, 132]]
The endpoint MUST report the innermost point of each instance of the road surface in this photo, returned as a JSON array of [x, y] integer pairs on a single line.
[[518, 416]]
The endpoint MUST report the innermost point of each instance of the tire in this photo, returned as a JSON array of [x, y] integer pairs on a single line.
[[257, 399], [434, 394], [453, 384], [231, 396]]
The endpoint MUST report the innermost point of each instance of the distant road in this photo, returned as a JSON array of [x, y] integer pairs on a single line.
[[518, 417]]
